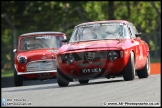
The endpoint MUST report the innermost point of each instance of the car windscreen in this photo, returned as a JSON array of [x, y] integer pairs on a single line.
[[99, 32], [39, 42]]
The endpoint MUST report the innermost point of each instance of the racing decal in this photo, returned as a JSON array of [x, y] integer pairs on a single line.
[[92, 25], [141, 53], [96, 25], [136, 49], [144, 49], [112, 24], [43, 37]]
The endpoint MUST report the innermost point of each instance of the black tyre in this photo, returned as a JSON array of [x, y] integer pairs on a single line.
[[129, 71], [62, 82], [83, 81], [144, 73], [17, 79]]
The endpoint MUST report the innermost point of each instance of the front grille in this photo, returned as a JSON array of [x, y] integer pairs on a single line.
[[98, 55], [43, 65]]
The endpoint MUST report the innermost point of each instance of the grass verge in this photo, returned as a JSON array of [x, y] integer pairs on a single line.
[[7, 73]]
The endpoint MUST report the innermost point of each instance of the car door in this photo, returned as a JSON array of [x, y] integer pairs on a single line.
[[138, 47]]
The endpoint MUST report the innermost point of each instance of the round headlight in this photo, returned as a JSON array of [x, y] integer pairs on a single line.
[[112, 55], [68, 58], [22, 59]]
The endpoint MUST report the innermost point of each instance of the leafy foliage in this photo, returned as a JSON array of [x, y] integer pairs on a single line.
[[31, 16]]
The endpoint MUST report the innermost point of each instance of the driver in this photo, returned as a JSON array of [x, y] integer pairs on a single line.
[[89, 34], [31, 43]]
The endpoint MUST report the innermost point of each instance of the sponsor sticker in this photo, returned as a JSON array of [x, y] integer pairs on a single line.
[[43, 37]]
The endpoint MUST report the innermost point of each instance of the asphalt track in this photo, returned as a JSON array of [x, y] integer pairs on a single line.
[[98, 92]]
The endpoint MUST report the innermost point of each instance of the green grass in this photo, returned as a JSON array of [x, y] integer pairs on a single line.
[[7, 73], [154, 60]]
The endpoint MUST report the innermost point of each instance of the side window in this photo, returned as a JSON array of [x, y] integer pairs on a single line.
[[132, 31], [126, 32], [135, 29], [21, 47], [74, 35], [80, 31], [59, 42]]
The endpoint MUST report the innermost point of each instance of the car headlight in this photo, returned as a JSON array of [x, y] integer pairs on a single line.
[[112, 55], [60, 59], [22, 59], [69, 58]]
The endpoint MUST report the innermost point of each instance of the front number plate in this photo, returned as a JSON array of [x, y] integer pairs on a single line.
[[94, 70], [43, 74]]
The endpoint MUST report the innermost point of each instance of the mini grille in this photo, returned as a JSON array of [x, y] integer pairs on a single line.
[[41, 65]]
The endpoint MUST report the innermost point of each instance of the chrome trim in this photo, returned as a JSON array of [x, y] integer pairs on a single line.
[[40, 60], [43, 33], [24, 73], [33, 72], [34, 65]]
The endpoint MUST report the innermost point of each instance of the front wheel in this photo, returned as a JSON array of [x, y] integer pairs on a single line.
[[17, 79], [144, 73], [129, 71], [62, 82]]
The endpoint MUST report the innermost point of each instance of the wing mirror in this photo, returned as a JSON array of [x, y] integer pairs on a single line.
[[138, 34], [64, 40], [14, 50]]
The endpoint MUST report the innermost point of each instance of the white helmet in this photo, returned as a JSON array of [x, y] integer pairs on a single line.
[[30, 46]]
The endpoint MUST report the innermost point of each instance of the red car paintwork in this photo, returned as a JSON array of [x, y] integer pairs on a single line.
[[105, 45], [34, 56], [137, 45]]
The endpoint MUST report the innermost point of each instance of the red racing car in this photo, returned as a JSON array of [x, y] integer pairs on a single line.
[[103, 49], [35, 57]]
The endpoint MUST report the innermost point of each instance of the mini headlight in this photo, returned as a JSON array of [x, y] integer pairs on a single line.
[[22, 59], [68, 58], [112, 55]]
